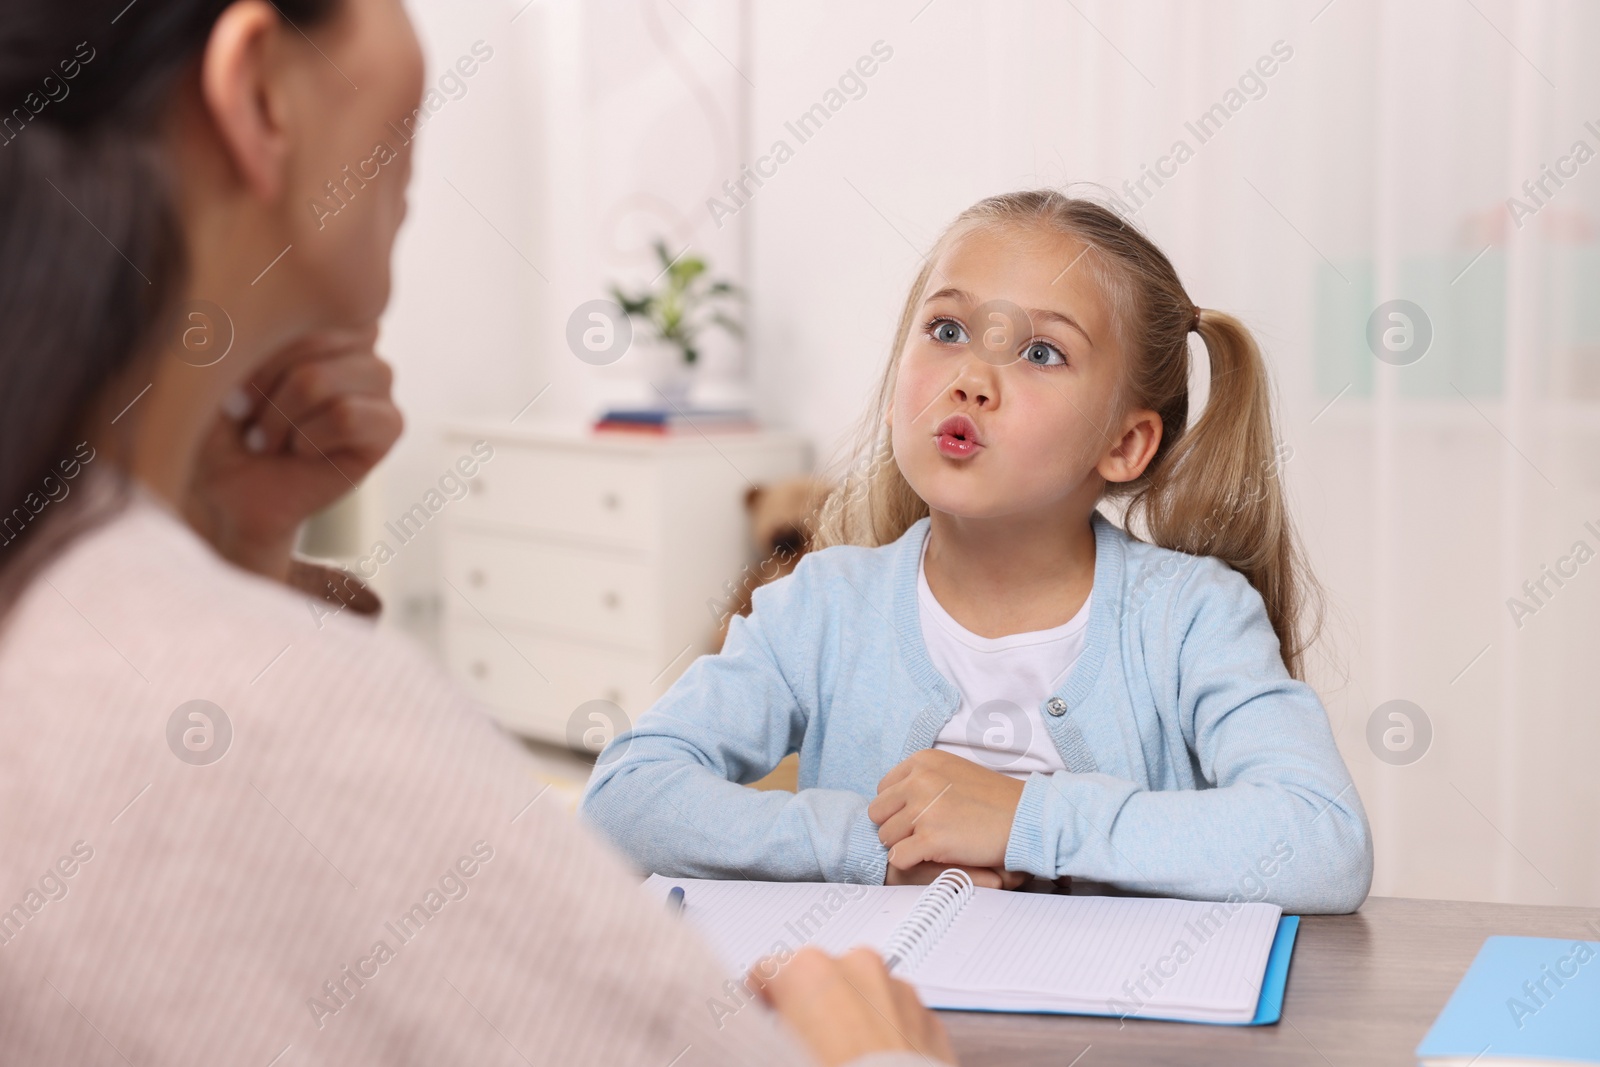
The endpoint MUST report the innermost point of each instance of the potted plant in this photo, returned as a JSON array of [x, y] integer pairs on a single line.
[[681, 304]]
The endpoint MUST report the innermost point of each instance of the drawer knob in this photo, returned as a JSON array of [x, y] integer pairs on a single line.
[[611, 599], [476, 578], [611, 501], [480, 669]]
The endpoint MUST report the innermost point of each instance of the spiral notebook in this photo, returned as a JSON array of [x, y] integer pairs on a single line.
[[972, 949]]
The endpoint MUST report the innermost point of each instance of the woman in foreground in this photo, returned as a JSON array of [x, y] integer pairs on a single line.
[[238, 829]]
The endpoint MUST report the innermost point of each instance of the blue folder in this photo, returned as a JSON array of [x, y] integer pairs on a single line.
[[1523, 998], [1269, 1009]]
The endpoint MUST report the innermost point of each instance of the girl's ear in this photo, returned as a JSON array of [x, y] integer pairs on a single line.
[[1132, 452], [238, 83]]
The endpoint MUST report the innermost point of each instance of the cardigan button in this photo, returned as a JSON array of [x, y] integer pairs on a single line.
[[1056, 706]]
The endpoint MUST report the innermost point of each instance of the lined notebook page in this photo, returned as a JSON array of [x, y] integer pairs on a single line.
[[1007, 951], [744, 921], [1145, 957]]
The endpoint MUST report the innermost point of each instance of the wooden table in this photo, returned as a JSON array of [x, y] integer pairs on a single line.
[[1363, 989]]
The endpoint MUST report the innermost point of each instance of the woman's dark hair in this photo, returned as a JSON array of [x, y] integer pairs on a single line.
[[91, 253]]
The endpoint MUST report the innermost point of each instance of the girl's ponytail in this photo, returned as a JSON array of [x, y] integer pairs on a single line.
[[1214, 489]]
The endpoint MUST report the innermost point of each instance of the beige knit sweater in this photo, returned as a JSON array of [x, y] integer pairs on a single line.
[[367, 875]]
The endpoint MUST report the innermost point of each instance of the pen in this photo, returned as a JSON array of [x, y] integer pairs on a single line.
[[675, 900]]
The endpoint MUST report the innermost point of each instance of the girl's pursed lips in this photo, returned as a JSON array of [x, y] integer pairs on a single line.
[[961, 426], [957, 437]]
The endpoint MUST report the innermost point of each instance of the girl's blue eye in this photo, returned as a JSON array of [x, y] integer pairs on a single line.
[[947, 331], [1043, 354]]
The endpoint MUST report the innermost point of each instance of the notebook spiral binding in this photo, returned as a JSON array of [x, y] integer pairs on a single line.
[[933, 913]]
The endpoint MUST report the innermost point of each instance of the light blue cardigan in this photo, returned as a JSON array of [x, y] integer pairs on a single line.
[[1196, 767]]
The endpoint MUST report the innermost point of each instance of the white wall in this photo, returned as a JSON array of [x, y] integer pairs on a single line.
[[591, 131], [1376, 165], [467, 294]]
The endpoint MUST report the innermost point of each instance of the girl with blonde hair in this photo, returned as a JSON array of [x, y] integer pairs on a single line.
[[978, 668]]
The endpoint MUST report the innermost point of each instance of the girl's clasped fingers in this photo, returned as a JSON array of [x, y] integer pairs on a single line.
[[917, 849], [894, 812], [944, 808], [898, 772], [909, 794], [923, 873], [905, 783], [982, 877]]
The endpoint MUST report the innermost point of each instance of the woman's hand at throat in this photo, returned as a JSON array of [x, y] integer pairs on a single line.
[[306, 430]]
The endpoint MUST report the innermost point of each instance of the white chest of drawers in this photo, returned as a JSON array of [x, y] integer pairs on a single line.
[[585, 567]]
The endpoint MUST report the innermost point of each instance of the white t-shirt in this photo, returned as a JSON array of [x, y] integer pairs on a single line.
[[1003, 681]]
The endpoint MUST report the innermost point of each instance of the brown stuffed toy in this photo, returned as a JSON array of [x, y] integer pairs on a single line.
[[782, 516]]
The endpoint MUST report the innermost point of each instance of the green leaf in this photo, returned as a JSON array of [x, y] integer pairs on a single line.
[[682, 301]]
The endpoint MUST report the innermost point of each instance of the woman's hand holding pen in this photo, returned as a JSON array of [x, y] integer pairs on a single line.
[[936, 807], [847, 1007]]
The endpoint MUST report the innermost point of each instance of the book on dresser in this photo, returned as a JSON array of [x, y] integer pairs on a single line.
[[584, 571], [676, 420]]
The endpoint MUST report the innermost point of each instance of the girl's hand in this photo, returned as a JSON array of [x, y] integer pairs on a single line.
[[983, 877], [937, 806]]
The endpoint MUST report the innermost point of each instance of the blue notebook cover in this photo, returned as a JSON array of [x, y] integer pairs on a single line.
[[1269, 1009], [1523, 997]]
